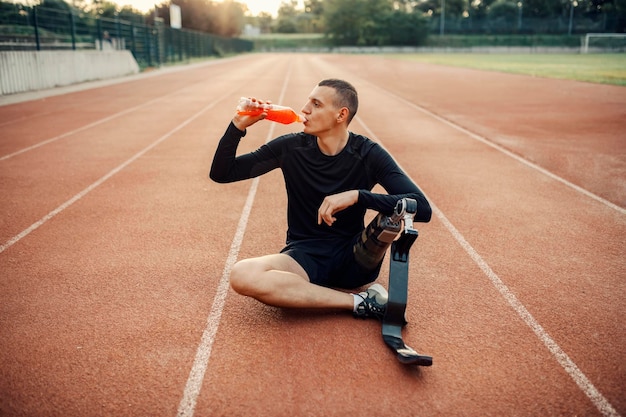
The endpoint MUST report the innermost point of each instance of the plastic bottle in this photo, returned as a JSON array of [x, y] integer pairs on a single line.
[[275, 113]]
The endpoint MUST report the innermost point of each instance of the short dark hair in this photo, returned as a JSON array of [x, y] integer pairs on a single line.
[[346, 95]]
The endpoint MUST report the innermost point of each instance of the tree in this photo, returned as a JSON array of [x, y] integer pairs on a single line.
[[374, 22], [405, 5], [453, 8], [49, 12], [314, 7], [314, 11], [617, 8], [230, 18], [226, 18], [503, 15], [104, 9], [287, 17], [197, 15], [9, 11], [59, 5], [406, 28], [264, 22], [478, 9], [130, 14], [356, 22], [542, 8]]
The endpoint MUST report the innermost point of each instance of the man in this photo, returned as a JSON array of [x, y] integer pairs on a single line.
[[329, 174]]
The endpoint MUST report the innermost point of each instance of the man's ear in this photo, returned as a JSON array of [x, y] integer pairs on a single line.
[[343, 115]]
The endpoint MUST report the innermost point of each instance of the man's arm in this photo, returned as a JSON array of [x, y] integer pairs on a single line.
[[396, 183], [226, 167], [385, 203], [242, 122], [223, 168], [335, 203]]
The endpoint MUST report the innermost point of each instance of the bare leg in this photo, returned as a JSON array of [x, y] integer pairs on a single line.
[[278, 280]]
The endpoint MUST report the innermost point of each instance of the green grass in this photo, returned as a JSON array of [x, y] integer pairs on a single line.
[[288, 40], [466, 41], [595, 68]]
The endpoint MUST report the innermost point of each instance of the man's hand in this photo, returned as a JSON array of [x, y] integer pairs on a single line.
[[242, 121], [334, 203]]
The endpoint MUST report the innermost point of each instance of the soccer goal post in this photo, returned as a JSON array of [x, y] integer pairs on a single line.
[[604, 42]]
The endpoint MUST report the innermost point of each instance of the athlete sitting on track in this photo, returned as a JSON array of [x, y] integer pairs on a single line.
[[329, 174]]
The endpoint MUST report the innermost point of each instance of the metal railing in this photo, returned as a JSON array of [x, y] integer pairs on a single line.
[[38, 28]]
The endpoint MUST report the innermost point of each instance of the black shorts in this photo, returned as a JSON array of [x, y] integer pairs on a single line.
[[330, 263]]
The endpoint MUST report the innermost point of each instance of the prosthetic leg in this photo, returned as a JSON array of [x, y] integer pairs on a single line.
[[370, 250]]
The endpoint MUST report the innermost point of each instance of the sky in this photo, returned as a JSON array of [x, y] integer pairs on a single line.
[[254, 6]]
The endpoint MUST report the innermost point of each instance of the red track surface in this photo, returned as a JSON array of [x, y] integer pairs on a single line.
[[116, 249]]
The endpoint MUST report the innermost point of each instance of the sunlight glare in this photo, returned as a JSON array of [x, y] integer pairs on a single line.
[[254, 6]]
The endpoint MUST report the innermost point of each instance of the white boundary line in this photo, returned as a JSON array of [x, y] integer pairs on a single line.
[[111, 173], [80, 129], [90, 125], [601, 403], [16, 98], [505, 151], [193, 386], [95, 84], [187, 405]]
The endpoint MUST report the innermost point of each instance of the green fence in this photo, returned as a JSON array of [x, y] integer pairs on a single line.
[[38, 28], [518, 24]]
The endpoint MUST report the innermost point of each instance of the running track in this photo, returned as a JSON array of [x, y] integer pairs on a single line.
[[116, 249]]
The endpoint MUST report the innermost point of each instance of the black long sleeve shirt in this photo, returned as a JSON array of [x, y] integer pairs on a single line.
[[310, 176]]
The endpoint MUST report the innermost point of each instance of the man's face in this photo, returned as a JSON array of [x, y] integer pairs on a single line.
[[320, 111]]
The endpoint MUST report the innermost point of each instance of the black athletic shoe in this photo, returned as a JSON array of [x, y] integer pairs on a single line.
[[374, 303]]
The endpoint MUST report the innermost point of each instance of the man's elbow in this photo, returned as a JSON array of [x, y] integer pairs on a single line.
[[424, 211], [214, 176]]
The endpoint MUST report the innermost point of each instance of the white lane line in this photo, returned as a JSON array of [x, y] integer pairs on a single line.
[[187, 405], [601, 403], [90, 85], [116, 115], [89, 126], [505, 151], [91, 187]]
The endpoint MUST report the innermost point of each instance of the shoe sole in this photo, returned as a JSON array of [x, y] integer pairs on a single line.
[[381, 290]]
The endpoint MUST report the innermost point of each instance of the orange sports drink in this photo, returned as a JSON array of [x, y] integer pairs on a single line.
[[275, 113]]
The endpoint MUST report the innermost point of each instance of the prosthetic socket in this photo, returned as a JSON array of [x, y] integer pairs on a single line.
[[371, 247]]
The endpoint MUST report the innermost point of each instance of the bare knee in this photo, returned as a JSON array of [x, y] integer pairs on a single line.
[[243, 277], [265, 277]]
